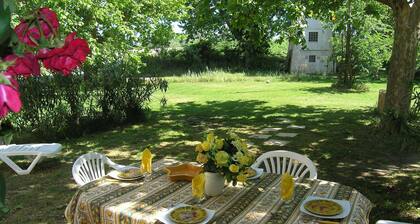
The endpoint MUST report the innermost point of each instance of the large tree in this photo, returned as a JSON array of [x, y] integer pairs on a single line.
[[362, 41], [406, 16], [402, 64], [114, 28], [252, 24]]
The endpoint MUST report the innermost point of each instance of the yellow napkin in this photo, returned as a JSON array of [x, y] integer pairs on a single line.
[[198, 186], [146, 161], [287, 187]]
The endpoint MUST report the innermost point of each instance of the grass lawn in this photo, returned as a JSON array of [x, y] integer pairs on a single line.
[[339, 137]]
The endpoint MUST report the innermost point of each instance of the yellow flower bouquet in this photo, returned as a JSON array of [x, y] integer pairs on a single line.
[[228, 156]]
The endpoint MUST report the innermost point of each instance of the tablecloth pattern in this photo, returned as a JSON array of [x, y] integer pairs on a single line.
[[131, 202]]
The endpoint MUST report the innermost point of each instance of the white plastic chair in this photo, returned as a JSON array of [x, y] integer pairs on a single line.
[[390, 222], [91, 166], [281, 161], [37, 150]]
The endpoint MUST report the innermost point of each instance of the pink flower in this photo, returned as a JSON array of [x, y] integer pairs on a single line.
[[28, 31], [9, 97], [26, 65], [66, 58], [48, 21]]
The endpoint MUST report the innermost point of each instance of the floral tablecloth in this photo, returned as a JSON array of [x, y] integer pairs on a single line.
[[110, 201]]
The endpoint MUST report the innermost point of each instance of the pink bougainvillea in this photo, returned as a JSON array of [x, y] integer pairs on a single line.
[[64, 58], [44, 23], [9, 97], [26, 65]]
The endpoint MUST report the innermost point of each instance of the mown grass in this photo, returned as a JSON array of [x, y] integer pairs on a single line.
[[340, 137]]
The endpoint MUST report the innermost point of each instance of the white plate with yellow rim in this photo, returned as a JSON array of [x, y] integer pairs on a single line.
[[165, 216], [346, 206], [127, 173], [258, 173]]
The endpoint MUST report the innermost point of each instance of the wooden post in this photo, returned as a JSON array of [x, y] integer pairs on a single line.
[[381, 101]]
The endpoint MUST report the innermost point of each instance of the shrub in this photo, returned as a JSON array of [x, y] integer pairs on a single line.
[[204, 55], [415, 104], [91, 99]]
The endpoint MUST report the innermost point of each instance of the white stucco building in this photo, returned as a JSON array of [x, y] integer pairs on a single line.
[[316, 57]]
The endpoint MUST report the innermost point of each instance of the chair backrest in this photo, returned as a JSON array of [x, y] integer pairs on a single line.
[[89, 167], [281, 161]]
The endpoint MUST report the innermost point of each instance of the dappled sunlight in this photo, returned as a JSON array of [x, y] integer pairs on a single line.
[[71, 185], [350, 138], [118, 153], [366, 162]]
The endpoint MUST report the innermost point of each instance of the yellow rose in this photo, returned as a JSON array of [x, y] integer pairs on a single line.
[[241, 177], [234, 168], [219, 144], [202, 158], [199, 148], [210, 137], [206, 146], [222, 158], [237, 144], [243, 159], [244, 146]]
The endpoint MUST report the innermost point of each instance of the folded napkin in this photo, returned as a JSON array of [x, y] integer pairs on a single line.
[[146, 161], [287, 187], [198, 186]]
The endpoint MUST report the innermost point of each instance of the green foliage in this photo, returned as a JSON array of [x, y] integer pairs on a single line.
[[111, 87], [253, 24], [90, 100], [198, 57], [5, 18], [279, 49], [415, 108], [371, 39], [114, 28]]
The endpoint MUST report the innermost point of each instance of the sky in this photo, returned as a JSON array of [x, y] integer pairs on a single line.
[[176, 27]]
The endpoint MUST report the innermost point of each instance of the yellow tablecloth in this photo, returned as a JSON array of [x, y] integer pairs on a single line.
[[111, 201]]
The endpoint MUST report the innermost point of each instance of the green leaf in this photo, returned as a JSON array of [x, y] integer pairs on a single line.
[[7, 138], [4, 80], [5, 18], [10, 4]]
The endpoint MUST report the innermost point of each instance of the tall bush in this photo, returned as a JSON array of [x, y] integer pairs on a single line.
[[93, 98]]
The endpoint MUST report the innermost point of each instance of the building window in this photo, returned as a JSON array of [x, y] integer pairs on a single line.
[[312, 58], [313, 36]]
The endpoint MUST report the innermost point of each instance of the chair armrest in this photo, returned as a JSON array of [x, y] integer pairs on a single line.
[[120, 167]]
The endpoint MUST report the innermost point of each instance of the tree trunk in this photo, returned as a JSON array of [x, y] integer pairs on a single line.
[[348, 68], [402, 69]]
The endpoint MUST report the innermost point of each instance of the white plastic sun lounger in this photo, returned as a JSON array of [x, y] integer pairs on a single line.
[[37, 150]]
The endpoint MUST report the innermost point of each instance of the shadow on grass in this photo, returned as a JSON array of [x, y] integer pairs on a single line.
[[330, 90], [340, 142]]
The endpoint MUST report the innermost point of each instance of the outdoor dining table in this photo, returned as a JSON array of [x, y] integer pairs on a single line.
[[112, 201]]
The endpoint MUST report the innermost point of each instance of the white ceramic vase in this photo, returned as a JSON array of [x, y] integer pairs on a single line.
[[215, 183]]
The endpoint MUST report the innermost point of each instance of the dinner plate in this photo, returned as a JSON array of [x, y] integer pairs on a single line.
[[164, 216], [323, 207], [129, 173], [345, 207], [188, 215], [258, 173]]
